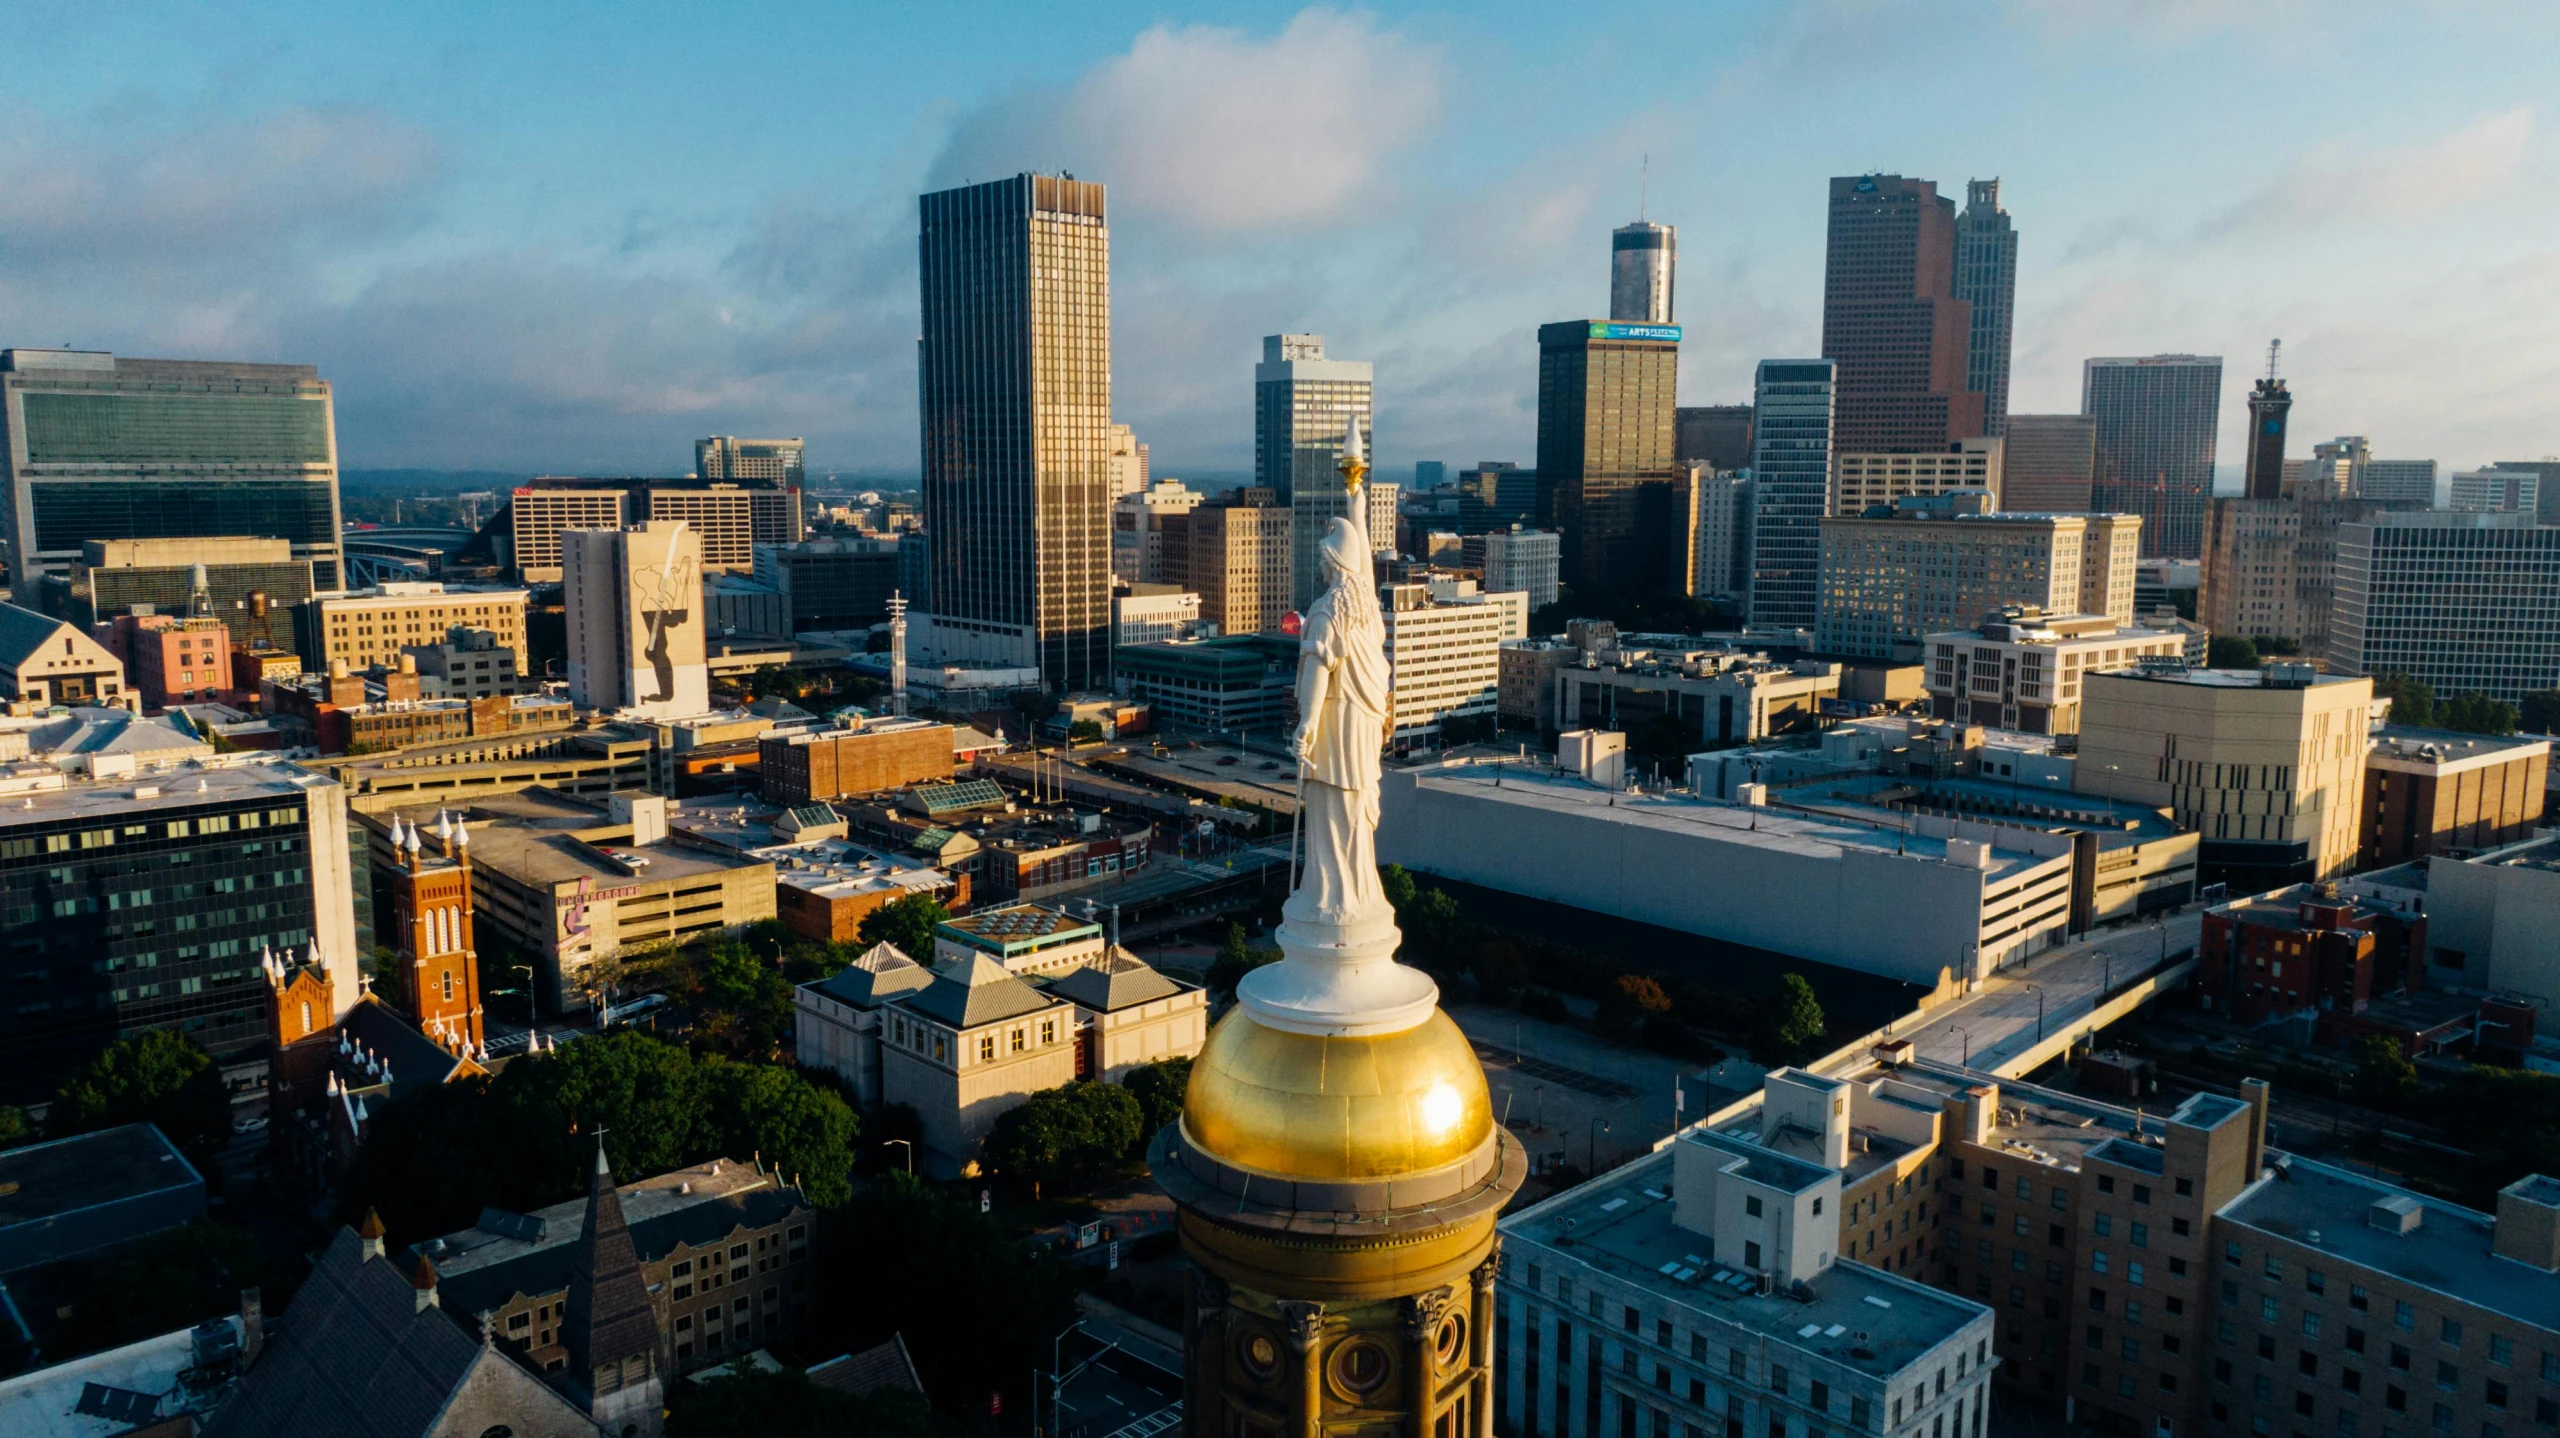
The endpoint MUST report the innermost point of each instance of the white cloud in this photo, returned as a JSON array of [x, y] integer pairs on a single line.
[[2422, 181], [1220, 130]]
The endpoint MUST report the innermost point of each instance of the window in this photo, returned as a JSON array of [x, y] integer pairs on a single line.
[[2315, 1283], [2098, 1261], [2502, 1350], [2142, 1193], [2104, 1225], [2452, 1332], [2186, 1188], [2106, 1183], [2448, 1377], [2403, 1316], [987, 1049], [2141, 1237], [2231, 1254], [2274, 1266], [1751, 1205]]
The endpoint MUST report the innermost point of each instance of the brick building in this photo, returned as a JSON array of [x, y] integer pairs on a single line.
[[2429, 790], [813, 767]]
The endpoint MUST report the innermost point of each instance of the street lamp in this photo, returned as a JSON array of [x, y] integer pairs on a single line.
[[1965, 1062], [911, 1152], [2039, 988]]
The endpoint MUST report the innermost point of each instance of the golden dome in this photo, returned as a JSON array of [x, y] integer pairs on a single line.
[[1304, 1107]]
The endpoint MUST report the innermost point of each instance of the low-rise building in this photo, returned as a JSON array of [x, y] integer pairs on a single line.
[[1235, 682], [1155, 614], [2431, 790], [367, 627], [2021, 668], [45, 661], [816, 765], [470, 663], [824, 888], [1715, 696], [1525, 689], [173, 660], [72, 1196], [967, 1046], [582, 763], [2491, 917], [2305, 951], [724, 1248], [836, 1022], [1026, 939], [1128, 1015]]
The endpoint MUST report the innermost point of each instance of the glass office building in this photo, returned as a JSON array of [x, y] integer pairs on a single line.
[[2156, 420], [99, 447], [1791, 488], [1608, 483]]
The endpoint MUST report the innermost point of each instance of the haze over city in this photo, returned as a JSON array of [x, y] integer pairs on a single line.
[[530, 240]]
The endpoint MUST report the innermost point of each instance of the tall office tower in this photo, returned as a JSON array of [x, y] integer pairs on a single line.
[[1128, 461], [2402, 483], [1495, 494], [1234, 554], [1716, 434], [1987, 279], [2268, 402], [2468, 603], [1607, 482], [1861, 480], [1014, 377], [1302, 405], [2494, 491], [1720, 555], [1891, 318], [1516, 560], [1429, 474], [725, 458], [2156, 419], [2270, 565], [1791, 440], [1642, 259], [634, 600], [2047, 462], [96, 447]]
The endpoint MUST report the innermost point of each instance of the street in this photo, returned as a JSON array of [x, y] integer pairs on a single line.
[[1114, 1393], [2011, 1010]]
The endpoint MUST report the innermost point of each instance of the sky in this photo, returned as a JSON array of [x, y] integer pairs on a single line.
[[574, 237]]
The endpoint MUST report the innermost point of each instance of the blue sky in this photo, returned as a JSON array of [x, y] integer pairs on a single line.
[[562, 237]]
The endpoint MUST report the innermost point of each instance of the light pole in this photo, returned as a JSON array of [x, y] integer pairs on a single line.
[[2039, 988], [911, 1152], [1966, 1034]]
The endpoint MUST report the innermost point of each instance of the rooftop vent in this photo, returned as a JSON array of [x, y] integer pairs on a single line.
[[2397, 1214]]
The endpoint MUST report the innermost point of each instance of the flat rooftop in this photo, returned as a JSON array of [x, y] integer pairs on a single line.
[[43, 795], [2329, 1209], [2037, 1125], [841, 869], [2115, 822], [2418, 747], [1676, 815], [534, 837], [2218, 678], [1017, 927], [1860, 1317], [43, 1182]]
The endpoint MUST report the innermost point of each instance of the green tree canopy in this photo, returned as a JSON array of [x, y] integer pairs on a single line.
[[1237, 957], [1397, 881], [1159, 1088], [2477, 714], [2385, 1079], [156, 1076], [1084, 731], [2230, 651], [2413, 700], [14, 1128], [1794, 1016], [1074, 1131], [908, 923], [741, 1001], [2540, 712]]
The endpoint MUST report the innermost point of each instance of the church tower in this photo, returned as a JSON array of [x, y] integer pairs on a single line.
[[615, 1370], [1337, 1165], [438, 979]]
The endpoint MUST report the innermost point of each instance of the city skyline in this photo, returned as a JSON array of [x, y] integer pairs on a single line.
[[510, 285]]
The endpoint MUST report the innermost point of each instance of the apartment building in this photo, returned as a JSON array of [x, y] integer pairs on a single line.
[[2269, 766], [367, 627], [1943, 562], [2021, 668], [1445, 656], [1860, 479]]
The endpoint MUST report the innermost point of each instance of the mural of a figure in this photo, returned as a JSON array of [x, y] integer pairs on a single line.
[[1343, 693]]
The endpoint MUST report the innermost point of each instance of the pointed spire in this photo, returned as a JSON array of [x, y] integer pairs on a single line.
[[609, 1322], [363, 1116], [1354, 450], [423, 1279], [395, 831], [369, 1232]]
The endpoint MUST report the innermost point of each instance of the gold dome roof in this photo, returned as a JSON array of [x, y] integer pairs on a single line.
[[1305, 1107]]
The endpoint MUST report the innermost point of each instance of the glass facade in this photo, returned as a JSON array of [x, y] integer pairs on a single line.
[[1607, 480], [129, 429], [149, 919], [1987, 279], [1014, 381], [1791, 488], [68, 513], [2469, 604], [2156, 421]]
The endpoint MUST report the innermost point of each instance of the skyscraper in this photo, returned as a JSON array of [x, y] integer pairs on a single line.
[[1891, 317], [1014, 378], [2156, 419], [1791, 444], [1607, 481], [2467, 603], [97, 447], [1302, 405], [2268, 402], [1642, 258], [635, 631], [1716, 434], [2048, 462], [1987, 279]]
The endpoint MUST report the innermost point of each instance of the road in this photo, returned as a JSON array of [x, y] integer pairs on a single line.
[[1118, 1395], [2011, 1011]]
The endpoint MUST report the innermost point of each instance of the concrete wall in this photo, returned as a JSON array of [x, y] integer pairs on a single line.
[[1905, 918], [2502, 920]]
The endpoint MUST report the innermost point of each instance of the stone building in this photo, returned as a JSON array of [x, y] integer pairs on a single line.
[[967, 1046]]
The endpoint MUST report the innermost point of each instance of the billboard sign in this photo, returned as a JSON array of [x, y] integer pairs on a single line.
[[1616, 330]]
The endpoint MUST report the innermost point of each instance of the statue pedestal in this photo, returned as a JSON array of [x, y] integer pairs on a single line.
[[1338, 978]]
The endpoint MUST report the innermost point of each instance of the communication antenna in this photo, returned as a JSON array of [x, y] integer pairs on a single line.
[[1644, 186], [2275, 348]]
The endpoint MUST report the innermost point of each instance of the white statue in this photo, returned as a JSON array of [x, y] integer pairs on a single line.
[[1337, 976], [1343, 693]]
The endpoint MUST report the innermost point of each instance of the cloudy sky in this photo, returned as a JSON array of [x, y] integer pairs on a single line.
[[559, 237]]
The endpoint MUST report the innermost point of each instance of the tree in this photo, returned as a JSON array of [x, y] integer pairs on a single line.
[[1631, 999], [908, 923], [2230, 651], [2413, 701], [157, 1076], [741, 1001], [14, 1128], [1084, 731], [2385, 1079], [757, 1404], [1794, 1017], [1159, 1088], [1397, 881], [2541, 712], [1073, 1131], [2477, 714], [1499, 969], [798, 1129], [1237, 957]]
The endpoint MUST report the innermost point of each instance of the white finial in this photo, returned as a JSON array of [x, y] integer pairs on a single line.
[[444, 826], [386, 1073], [413, 839], [332, 1089], [361, 1115], [395, 831], [1352, 446], [462, 834]]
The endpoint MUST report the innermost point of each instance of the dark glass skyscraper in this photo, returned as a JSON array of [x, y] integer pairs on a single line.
[[1892, 320], [97, 447], [2156, 416], [1607, 480], [1987, 279], [1013, 375], [1791, 447]]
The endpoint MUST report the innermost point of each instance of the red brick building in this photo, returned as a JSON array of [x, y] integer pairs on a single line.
[[796, 769], [2304, 950]]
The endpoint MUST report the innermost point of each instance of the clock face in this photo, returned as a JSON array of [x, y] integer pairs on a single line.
[[2273, 426]]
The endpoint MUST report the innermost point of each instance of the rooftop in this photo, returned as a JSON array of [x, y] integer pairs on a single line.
[[1674, 815], [842, 869], [1016, 928], [2418, 748], [539, 836], [1862, 1318], [41, 794], [510, 1253], [2116, 823], [117, 1391], [2198, 678], [2540, 852], [43, 1183], [2331, 1210], [1117, 980]]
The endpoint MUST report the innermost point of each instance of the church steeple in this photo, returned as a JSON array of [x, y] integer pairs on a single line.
[[610, 1329], [432, 921]]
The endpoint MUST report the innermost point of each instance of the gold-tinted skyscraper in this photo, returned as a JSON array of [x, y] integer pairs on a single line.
[[1014, 380], [1337, 1164]]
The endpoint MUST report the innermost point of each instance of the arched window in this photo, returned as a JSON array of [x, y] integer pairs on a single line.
[[306, 1016]]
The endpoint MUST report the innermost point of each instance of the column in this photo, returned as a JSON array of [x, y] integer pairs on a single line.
[[1306, 1326], [1480, 1341]]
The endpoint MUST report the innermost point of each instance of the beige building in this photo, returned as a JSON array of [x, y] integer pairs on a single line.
[[1235, 556], [373, 626], [1940, 564], [1525, 696], [2269, 767], [2271, 565], [1859, 479], [634, 599], [538, 515], [1445, 656], [2022, 669], [1128, 1016], [1145, 549], [836, 1021], [971, 1044], [45, 661], [722, 516]]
